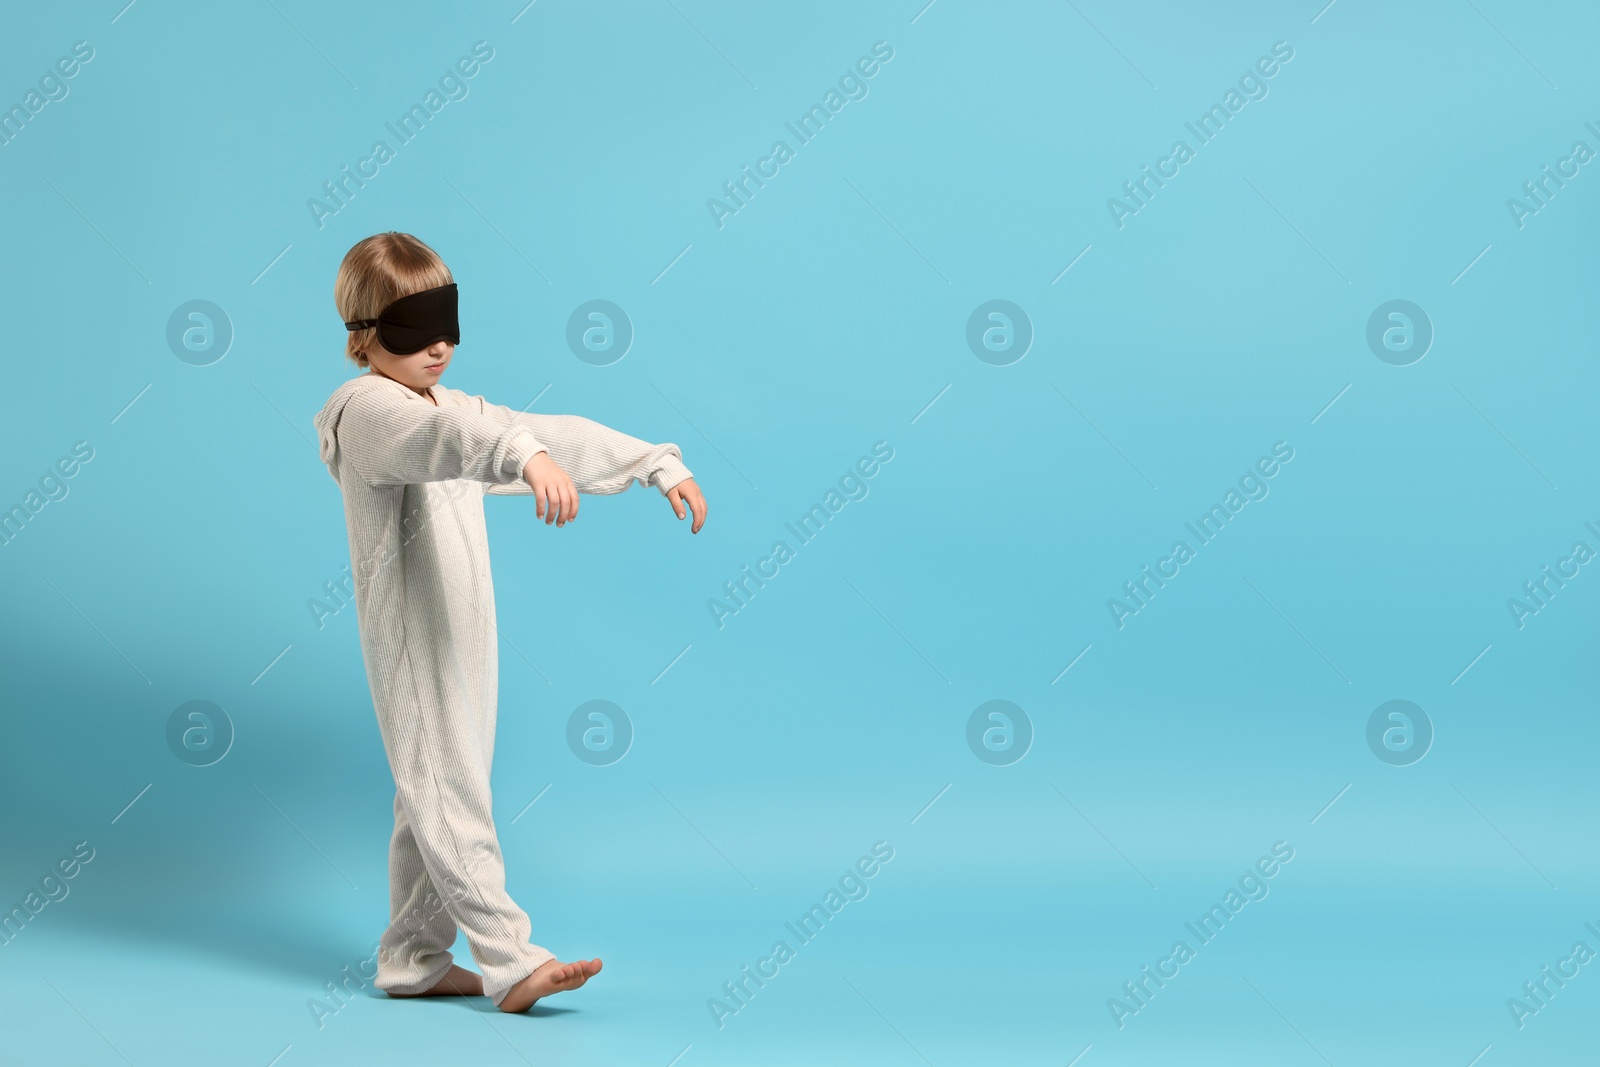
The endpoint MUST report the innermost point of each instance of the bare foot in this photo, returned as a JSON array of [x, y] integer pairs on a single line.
[[551, 976], [457, 982]]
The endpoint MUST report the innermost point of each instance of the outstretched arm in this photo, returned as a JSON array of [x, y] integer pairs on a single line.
[[392, 439], [599, 460]]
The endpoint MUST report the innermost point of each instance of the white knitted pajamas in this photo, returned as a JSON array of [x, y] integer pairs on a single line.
[[413, 476]]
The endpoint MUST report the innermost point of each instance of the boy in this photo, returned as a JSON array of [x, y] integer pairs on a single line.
[[413, 460]]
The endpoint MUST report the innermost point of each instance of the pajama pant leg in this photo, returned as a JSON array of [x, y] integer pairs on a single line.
[[442, 787], [414, 951]]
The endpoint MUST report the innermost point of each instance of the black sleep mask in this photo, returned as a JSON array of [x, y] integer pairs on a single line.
[[414, 322]]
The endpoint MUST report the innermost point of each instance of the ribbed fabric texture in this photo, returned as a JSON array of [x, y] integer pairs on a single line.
[[413, 477]]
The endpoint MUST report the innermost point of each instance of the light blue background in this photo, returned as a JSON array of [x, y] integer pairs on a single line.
[[1225, 316]]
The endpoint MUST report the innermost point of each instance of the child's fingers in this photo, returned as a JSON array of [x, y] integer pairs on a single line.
[[539, 495], [684, 502]]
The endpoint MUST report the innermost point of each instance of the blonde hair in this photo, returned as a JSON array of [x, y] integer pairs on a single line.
[[377, 271]]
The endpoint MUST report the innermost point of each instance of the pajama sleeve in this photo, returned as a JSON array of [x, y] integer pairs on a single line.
[[597, 458], [393, 440]]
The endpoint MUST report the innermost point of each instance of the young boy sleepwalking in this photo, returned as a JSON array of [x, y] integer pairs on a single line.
[[413, 460]]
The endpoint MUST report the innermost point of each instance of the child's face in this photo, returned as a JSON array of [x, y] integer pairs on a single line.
[[418, 370]]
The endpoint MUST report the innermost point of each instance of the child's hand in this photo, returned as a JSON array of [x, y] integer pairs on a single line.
[[555, 492], [686, 492]]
